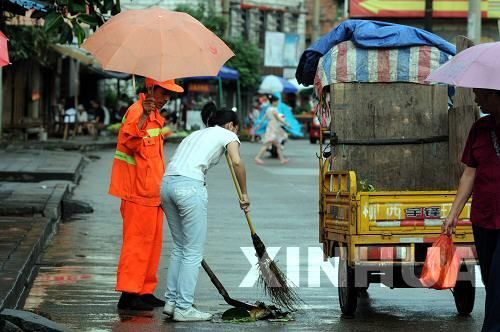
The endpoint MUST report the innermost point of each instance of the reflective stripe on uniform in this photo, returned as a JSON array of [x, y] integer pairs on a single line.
[[124, 157], [154, 132], [124, 119]]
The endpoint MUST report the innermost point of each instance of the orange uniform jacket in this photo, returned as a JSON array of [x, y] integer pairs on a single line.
[[138, 166]]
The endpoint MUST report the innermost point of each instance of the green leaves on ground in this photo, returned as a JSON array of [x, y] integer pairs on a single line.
[[365, 186]]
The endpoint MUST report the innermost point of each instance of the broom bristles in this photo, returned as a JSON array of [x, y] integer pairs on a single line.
[[273, 280]]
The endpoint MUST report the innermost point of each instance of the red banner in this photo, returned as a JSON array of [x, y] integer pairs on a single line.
[[416, 8]]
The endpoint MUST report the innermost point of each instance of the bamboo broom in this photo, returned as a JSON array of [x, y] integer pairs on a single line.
[[271, 277]]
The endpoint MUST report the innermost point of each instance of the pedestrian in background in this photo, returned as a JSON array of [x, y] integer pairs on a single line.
[[275, 134], [138, 167], [253, 116], [97, 116], [184, 199], [82, 119], [481, 178], [70, 112]]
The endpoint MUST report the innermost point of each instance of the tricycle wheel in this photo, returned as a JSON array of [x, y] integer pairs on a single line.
[[464, 293], [313, 140], [348, 294]]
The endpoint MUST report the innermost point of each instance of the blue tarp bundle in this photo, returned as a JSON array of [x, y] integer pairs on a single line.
[[296, 128], [366, 34]]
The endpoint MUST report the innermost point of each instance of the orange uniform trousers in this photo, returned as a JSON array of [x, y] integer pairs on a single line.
[[141, 248]]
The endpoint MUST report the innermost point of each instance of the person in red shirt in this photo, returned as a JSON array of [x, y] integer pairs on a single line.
[[138, 168], [481, 178]]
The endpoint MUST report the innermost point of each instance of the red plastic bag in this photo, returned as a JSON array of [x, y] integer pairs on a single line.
[[441, 264]]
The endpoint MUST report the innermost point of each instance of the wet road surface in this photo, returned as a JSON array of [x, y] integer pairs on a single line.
[[75, 284]]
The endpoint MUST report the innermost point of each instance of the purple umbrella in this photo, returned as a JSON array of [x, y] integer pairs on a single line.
[[475, 67]]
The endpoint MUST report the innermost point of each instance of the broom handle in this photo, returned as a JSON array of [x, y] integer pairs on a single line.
[[238, 190]]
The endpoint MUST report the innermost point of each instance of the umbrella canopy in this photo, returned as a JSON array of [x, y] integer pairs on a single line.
[[158, 43], [347, 63], [4, 53], [475, 67], [273, 84]]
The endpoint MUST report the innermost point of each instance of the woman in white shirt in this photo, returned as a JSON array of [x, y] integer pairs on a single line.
[[184, 200]]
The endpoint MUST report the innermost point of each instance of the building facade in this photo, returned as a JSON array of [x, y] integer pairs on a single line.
[[331, 13], [215, 5], [254, 19]]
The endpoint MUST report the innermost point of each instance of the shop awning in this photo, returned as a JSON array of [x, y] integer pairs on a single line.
[[225, 73], [87, 59], [98, 71], [75, 53]]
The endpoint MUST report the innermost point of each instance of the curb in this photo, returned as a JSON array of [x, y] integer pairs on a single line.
[[22, 263], [61, 145], [37, 166]]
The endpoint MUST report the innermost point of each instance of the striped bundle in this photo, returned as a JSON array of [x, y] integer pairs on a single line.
[[347, 63]]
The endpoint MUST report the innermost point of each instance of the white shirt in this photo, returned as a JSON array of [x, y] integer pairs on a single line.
[[82, 117], [200, 151], [70, 115]]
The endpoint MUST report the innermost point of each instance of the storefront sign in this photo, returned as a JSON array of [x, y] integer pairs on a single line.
[[416, 8], [198, 87]]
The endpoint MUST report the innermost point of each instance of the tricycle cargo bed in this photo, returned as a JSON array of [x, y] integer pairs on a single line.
[[415, 213]]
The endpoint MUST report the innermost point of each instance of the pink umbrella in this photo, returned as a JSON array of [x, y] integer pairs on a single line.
[[158, 43], [475, 67], [4, 53]]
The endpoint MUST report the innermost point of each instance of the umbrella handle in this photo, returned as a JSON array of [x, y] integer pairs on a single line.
[[238, 190], [133, 84]]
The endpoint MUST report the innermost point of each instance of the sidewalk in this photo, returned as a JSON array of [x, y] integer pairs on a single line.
[[30, 211], [29, 214], [38, 165], [78, 143]]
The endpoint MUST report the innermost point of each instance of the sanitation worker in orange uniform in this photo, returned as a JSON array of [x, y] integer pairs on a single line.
[[138, 168]]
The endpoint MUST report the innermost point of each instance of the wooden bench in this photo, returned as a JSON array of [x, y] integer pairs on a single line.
[[28, 129]]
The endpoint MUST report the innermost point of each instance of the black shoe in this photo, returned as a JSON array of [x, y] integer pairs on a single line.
[[152, 300], [124, 299], [130, 301]]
